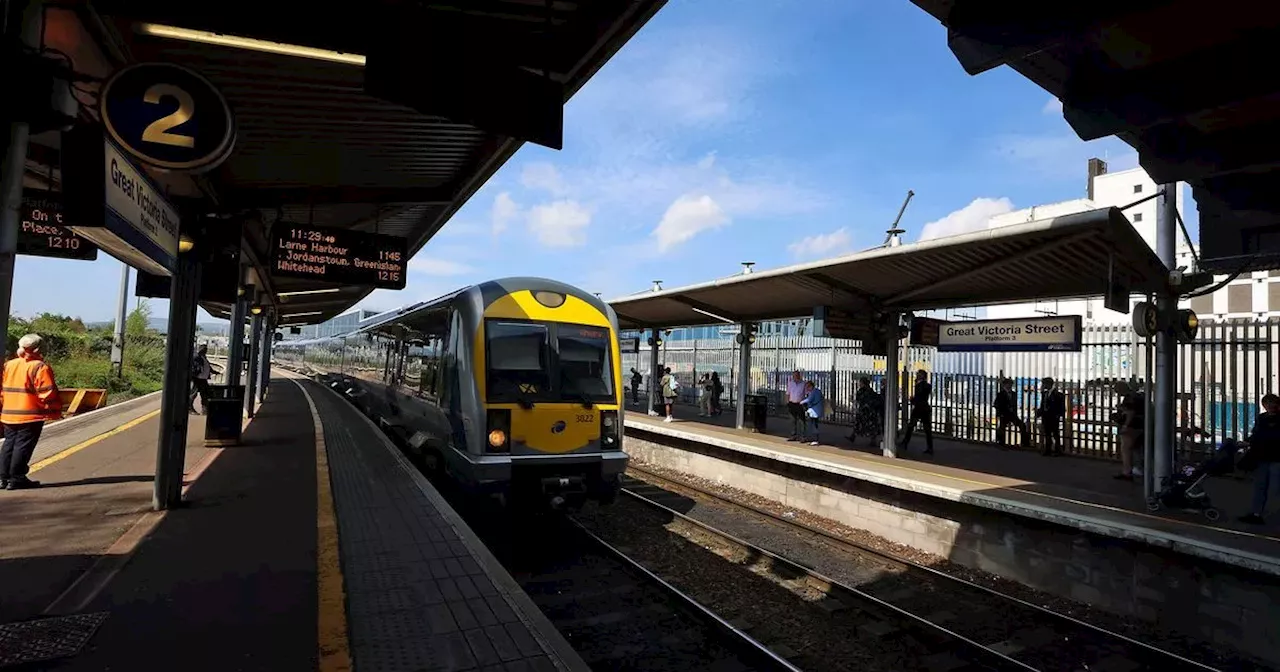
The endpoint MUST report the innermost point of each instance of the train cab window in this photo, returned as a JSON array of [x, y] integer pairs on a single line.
[[518, 358], [585, 369]]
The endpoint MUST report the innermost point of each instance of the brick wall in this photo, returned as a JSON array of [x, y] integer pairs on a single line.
[[1211, 601]]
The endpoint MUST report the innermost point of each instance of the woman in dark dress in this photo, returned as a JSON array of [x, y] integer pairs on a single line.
[[868, 411]]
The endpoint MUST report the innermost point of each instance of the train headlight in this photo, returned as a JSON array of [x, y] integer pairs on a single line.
[[609, 436], [497, 438], [498, 422], [609, 421]]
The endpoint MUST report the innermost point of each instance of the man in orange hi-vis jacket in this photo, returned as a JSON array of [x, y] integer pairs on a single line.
[[29, 398]]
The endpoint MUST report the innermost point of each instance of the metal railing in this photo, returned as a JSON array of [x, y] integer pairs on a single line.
[[1221, 377]]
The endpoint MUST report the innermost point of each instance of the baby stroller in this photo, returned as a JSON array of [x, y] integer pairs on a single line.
[[1184, 490]]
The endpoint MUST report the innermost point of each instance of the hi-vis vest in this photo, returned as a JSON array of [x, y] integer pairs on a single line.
[[29, 393]]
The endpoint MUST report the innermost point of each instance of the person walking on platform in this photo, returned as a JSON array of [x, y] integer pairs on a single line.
[[1053, 408], [814, 406], [921, 413], [1131, 416], [28, 399], [201, 372], [636, 379], [795, 395], [717, 389], [1007, 414], [868, 407], [670, 389], [706, 389], [1264, 455]]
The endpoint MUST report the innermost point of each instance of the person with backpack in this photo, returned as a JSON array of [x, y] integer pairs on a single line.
[[636, 378], [1263, 457], [1131, 417], [670, 390]]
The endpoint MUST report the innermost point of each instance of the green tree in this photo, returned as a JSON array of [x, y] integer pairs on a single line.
[[138, 323]]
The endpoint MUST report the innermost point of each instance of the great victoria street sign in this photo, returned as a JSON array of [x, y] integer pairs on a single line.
[[1032, 334], [113, 203]]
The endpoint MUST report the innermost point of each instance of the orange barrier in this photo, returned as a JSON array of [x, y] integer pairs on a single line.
[[79, 400]]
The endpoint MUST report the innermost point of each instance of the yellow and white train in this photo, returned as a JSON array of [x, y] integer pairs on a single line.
[[510, 387]]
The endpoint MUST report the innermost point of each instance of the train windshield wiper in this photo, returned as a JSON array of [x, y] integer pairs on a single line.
[[587, 403]]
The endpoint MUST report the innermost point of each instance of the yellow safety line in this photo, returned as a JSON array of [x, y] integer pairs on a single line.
[[335, 648], [52, 459], [990, 486]]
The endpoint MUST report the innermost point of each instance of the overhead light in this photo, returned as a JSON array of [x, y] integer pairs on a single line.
[[713, 315], [312, 312], [256, 310], [185, 244], [249, 43], [309, 291]]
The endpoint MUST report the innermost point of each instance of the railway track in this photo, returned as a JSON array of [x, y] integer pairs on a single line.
[[998, 630], [614, 612]]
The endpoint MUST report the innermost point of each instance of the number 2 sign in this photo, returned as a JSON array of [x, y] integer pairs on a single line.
[[168, 116]]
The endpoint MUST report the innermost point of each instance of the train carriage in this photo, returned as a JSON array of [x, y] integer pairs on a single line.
[[510, 387]]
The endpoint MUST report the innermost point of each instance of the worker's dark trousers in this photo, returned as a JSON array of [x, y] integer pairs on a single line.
[[19, 444]]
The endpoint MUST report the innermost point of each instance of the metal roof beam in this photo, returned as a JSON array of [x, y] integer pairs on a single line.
[[1177, 153], [268, 197], [986, 35], [709, 310], [988, 267], [843, 287], [1098, 103]]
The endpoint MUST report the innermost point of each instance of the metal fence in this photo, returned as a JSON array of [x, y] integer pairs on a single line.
[[1221, 377]]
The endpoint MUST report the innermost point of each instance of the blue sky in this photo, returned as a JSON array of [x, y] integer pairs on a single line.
[[770, 131]]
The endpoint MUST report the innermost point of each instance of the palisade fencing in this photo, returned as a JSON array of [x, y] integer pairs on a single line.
[[1221, 377]]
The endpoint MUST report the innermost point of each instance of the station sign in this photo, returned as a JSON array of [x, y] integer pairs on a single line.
[[168, 116], [925, 331], [831, 322], [339, 256], [1032, 334], [43, 229], [629, 344], [113, 203]]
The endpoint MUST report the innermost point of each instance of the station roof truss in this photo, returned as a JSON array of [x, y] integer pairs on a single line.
[[1059, 258], [313, 147], [1182, 81]]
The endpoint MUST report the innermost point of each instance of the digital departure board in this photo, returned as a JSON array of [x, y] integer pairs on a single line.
[[42, 231], [339, 256]]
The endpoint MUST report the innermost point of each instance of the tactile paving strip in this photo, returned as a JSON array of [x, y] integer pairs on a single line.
[[47, 638], [416, 598]]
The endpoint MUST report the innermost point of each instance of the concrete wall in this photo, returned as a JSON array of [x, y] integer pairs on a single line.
[[1210, 601]]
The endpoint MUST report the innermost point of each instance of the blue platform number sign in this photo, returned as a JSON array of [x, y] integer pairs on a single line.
[[168, 116]]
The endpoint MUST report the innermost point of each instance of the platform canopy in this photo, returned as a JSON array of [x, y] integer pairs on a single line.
[[1058, 258], [1182, 81], [313, 145]]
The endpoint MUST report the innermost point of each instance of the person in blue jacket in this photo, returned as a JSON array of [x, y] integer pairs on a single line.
[[814, 405]]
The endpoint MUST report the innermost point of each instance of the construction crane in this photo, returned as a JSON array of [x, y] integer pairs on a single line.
[[892, 236]]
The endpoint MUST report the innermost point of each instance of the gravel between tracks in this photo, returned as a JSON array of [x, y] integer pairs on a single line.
[[799, 546], [778, 610]]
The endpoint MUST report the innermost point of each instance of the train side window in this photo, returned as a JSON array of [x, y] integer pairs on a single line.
[[450, 361]]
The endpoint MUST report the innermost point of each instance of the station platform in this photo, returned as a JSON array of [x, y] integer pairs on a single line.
[[1077, 492], [313, 545], [1058, 524]]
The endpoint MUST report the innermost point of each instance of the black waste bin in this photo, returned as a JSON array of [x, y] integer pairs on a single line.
[[756, 412], [224, 415]]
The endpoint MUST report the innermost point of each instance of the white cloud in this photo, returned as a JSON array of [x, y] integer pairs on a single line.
[[504, 210], [560, 224], [542, 176], [973, 217], [822, 245], [437, 266], [1052, 106], [685, 218]]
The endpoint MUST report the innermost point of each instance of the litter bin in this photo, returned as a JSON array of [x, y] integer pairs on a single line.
[[756, 412], [224, 415]]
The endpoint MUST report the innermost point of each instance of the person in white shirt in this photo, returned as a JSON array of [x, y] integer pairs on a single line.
[[795, 395]]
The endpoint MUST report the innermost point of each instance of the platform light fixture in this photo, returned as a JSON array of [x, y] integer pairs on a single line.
[[256, 310], [306, 314], [249, 43], [185, 244], [307, 292]]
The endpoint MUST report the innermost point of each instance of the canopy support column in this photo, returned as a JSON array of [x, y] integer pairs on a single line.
[[1166, 364], [655, 375], [744, 376], [251, 371], [264, 369], [176, 398], [889, 389]]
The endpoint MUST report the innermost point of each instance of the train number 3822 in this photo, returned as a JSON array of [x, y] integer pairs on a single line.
[[585, 417]]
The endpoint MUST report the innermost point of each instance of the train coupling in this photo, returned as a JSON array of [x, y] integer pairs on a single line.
[[565, 492]]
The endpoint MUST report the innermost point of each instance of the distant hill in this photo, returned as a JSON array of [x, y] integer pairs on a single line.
[[161, 324]]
